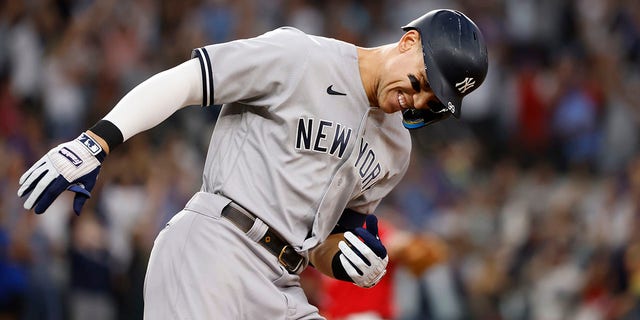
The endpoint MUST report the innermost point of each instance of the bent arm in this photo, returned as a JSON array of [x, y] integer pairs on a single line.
[[154, 100], [321, 257], [75, 165], [360, 258]]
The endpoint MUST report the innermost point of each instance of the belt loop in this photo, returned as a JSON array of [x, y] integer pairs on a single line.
[[258, 229]]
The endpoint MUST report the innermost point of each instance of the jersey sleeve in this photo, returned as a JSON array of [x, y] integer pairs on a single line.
[[251, 71]]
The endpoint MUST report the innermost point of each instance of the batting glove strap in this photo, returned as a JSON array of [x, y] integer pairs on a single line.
[[358, 263], [73, 165]]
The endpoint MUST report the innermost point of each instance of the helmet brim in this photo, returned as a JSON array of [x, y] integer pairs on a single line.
[[441, 88], [415, 118]]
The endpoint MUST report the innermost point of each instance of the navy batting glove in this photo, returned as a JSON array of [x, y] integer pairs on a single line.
[[72, 166], [370, 237]]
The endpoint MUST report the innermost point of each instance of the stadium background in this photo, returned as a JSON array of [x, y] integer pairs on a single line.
[[536, 190]]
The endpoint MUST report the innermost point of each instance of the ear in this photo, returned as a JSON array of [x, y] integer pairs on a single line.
[[409, 40]]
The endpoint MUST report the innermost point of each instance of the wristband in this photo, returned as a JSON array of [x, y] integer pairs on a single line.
[[338, 270], [108, 131]]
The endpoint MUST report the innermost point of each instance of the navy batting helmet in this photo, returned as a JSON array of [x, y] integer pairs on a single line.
[[455, 60]]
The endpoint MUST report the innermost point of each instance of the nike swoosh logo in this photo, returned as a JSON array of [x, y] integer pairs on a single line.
[[334, 93]]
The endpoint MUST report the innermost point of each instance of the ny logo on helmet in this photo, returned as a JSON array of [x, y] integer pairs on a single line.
[[451, 107], [465, 84]]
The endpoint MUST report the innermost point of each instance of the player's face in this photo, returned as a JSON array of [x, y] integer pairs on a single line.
[[405, 84]]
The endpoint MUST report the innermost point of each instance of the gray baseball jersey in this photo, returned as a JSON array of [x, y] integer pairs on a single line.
[[296, 143]]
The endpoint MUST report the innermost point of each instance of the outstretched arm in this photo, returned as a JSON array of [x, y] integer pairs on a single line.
[[155, 99], [75, 165]]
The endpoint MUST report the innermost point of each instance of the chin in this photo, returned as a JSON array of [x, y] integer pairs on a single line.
[[389, 108], [388, 105]]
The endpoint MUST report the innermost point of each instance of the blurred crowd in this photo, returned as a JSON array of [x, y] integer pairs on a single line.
[[536, 190]]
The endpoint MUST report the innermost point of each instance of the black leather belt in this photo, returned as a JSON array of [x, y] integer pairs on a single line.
[[243, 219]]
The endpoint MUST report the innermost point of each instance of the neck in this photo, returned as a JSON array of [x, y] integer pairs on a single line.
[[371, 64]]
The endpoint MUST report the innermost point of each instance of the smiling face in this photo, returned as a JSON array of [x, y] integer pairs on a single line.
[[403, 84]]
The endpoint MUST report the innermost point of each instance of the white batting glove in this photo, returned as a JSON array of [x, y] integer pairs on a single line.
[[362, 258], [364, 273], [73, 166]]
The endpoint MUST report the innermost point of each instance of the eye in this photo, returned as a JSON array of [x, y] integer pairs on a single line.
[[415, 84]]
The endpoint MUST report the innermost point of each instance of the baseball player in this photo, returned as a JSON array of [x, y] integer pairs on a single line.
[[311, 136]]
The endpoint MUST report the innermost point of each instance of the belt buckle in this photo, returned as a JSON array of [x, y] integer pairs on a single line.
[[284, 263]]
